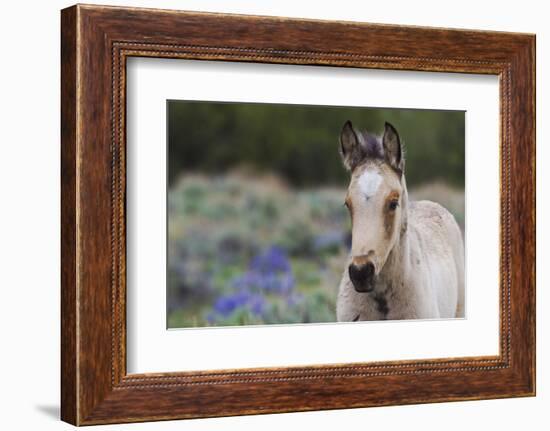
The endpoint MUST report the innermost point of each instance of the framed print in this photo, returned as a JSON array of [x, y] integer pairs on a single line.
[[322, 214]]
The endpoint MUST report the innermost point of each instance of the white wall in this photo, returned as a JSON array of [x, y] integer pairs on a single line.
[[29, 211]]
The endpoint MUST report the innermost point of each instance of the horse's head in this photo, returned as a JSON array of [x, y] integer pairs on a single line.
[[376, 199]]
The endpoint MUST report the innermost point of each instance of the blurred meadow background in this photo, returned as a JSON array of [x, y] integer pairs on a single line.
[[257, 230]]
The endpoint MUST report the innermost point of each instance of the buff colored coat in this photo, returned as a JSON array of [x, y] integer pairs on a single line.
[[407, 258]]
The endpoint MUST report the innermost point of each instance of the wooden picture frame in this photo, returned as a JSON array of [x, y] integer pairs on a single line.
[[96, 41]]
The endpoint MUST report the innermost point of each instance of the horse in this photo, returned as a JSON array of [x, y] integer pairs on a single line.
[[407, 258]]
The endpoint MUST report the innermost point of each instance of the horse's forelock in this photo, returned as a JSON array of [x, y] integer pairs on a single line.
[[372, 146]]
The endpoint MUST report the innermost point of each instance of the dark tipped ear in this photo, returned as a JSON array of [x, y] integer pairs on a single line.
[[351, 149], [393, 152]]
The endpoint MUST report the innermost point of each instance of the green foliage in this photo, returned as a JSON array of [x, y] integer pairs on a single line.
[[218, 226], [300, 143]]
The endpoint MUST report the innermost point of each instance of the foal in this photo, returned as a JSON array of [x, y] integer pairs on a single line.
[[407, 258]]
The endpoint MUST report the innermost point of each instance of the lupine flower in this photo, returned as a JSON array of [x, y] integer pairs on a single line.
[[225, 305], [268, 272], [273, 260], [257, 305]]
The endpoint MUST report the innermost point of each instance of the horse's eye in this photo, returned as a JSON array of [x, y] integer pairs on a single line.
[[393, 205]]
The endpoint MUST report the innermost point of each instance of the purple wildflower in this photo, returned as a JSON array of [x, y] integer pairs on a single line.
[[273, 260], [257, 305], [225, 305]]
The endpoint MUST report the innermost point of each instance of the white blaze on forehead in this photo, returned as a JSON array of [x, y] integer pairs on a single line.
[[369, 181]]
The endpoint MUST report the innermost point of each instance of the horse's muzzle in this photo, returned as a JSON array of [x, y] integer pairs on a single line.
[[362, 277]]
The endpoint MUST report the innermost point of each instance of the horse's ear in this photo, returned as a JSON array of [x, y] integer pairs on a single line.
[[393, 152], [351, 149]]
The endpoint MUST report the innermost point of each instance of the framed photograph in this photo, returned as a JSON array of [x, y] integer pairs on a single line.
[[264, 215]]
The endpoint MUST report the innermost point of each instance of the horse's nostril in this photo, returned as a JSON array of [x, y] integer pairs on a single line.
[[354, 272], [362, 276], [361, 271], [369, 269]]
